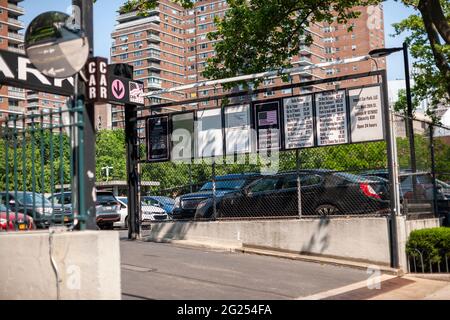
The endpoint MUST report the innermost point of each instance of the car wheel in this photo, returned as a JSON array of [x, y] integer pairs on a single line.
[[326, 210]]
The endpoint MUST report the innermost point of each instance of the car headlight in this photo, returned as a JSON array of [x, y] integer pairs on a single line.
[[204, 203], [177, 202]]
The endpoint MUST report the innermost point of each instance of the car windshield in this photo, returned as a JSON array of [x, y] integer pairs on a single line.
[[105, 198], [124, 200], [61, 199], [224, 185], [32, 198], [165, 200]]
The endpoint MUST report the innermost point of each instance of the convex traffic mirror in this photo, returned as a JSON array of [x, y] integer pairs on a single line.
[[56, 45]]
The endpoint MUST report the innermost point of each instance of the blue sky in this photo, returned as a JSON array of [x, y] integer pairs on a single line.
[[105, 13]]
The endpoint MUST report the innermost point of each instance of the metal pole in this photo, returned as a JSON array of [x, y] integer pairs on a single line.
[[433, 171], [393, 173], [299, 185], [214, 189], [86, 170], [410, 119], [132, 172]]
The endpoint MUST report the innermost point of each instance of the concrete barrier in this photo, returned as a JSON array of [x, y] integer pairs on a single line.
[[87, 265], [356, 239]]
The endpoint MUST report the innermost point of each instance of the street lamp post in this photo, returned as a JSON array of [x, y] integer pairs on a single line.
[[382, 52]]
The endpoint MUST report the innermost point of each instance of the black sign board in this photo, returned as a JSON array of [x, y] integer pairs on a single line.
[[158, 142], [122, 90], [97, 84], [268, 125], [16, 70]]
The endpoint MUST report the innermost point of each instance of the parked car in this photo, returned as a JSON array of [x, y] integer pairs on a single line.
[[166, 203], [324, 192], [35, 205], [150, 213], [200, 203], [424, 184], [12, 221], [107, 207]]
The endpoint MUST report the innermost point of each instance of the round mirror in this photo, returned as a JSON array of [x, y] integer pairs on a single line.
[[56, 45]]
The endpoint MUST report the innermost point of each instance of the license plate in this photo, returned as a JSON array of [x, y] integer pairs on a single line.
[[108, 208], [22, 226]]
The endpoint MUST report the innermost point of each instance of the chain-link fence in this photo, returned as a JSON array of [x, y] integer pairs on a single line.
[[424, 162]]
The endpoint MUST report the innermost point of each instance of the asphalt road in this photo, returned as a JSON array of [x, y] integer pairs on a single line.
[[167, 271]]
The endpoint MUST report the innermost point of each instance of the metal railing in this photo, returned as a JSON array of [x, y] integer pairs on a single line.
[[36, 155]]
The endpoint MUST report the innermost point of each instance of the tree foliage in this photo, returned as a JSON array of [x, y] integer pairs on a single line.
[[429, 42]]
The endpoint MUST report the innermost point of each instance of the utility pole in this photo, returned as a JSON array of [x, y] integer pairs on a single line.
[[85, 169]]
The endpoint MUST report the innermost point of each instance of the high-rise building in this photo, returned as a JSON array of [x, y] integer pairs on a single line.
[[11, 99], [170, 47]]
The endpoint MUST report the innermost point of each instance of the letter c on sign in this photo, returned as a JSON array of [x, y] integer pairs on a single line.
[[92, 68], [103, 67]]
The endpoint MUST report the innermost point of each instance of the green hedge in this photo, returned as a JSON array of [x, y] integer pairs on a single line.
[[434, 244]]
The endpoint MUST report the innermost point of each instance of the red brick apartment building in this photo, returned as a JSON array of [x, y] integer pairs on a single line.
[[170, 47]]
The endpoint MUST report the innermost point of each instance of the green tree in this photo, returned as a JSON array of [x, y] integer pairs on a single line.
[[261, 35], [111, 152], [429, 42]]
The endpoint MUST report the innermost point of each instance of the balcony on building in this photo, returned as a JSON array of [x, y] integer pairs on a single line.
[[15, 109], [151, 37], [137, 21], [16, 94], [14, 8], [15, 38], [15, 24], [16, 50]]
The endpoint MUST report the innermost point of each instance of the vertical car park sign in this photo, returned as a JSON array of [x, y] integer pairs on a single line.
[[298, 122], [331, 115], [366, 114], [268, 125], [158, 146]]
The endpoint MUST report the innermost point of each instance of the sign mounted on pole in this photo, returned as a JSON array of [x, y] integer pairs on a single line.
[[331, 114], [125, 91], [298, 122], [366, 114], [97, 85], [16, 70], [238, 133], [158, 148], [268, 126]]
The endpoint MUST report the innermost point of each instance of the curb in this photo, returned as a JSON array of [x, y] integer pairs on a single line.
[[239, 247], [322, 260]]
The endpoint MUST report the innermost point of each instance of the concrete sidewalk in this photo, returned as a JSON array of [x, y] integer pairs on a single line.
[[419, 289]]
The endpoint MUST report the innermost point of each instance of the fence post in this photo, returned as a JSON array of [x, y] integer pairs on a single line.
[[132, 172], [132, 151], [299, 185], [393, 173], [433, 171], [214, 188]]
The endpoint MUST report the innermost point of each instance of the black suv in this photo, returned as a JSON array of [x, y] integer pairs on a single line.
[[200, 204]]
